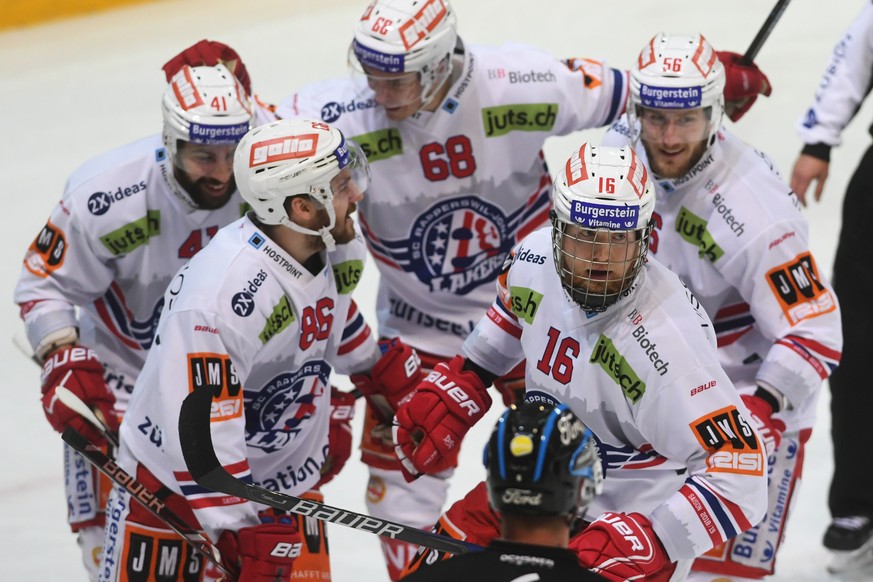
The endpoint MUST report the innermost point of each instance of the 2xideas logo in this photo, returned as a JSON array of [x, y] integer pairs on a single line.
[[333, 110], [99, 202], [243, 303]]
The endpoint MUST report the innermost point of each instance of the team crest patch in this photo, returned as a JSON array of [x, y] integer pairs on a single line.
[[279, 411], [459, 244]]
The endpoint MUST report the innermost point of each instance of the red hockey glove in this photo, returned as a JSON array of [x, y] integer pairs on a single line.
[[761, 417], [511, 385], [78, 369], [262, 553], [622, 546], [743, 83], [392, 380], [210, 53], [429, 427], [339, 439]]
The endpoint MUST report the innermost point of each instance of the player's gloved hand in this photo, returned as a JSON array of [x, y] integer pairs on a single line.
[[511, 385], [470, 519], [392, 380], [429, 427], [743, 83], [761, 417], [78, 369], [339, 437], [262, 553], [623, 546], [209, 53]]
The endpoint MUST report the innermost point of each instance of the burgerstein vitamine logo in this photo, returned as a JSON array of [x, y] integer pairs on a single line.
[[377, 60], [604, 216], [670, 97], [217, 134]]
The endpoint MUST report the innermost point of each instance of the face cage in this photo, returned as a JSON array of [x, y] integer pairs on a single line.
[[612, 287]]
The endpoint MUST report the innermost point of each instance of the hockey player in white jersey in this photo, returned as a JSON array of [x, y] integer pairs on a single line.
[[454, 133], [582, 305], [731, 228], [127, 221], [262, 315]]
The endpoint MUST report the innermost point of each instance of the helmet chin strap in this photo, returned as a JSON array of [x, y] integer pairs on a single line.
[[323, 232]]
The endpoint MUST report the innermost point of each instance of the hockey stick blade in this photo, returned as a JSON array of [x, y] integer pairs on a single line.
[[75, 404], [764, 31], [196, 440], [145, 497]]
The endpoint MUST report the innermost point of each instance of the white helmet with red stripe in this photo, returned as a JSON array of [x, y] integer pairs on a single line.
[[294, 157], [603, 202], [399, 36], [678, 72], [205, 105]]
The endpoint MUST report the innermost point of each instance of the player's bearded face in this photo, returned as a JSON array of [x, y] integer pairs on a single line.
[[674, 140], [598, 261], [206, 173], [346, 195], [398, 93]]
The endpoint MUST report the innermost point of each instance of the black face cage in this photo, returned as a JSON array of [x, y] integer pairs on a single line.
[[597, 293]]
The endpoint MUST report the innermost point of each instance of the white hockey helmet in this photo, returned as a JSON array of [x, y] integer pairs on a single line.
[[293, 157], [414, 36], [205, 105], [675, 72], [603, 201]]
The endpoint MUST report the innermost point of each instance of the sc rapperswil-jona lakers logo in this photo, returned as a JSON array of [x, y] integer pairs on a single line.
[[459, 244], [276, 413]]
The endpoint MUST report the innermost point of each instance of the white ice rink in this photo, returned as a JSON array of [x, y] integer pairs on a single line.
[[71, 90]]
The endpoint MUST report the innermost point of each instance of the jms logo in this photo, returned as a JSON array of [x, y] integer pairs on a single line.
[[798, 289], [731, 442], [216, 372], [46, 253]]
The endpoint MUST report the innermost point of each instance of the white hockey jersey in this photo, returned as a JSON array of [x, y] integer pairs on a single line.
[[844, 84], [733, 231], [453, 190], [246, 319], [644, 376], [111, 246]]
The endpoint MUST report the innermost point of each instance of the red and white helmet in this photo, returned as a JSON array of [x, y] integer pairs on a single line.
[[293, 157], [677, 72], [397, 36], [600, 189], [205, 105]]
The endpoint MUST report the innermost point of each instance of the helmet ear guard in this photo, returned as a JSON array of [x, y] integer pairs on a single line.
[[541, 461], [294, 157]]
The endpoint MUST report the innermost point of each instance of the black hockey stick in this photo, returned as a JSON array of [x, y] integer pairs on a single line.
[[195, 437], [145, 497], [765, 30]]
